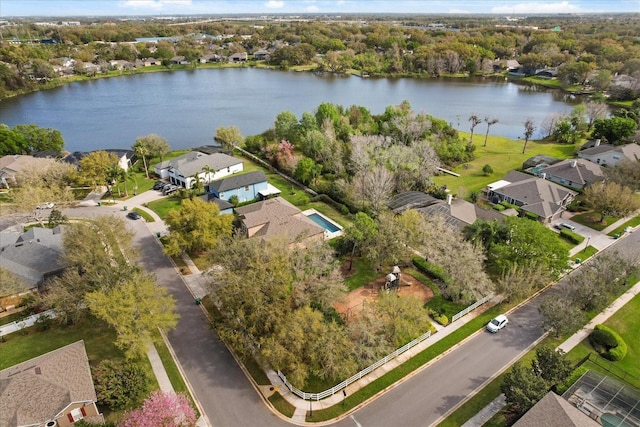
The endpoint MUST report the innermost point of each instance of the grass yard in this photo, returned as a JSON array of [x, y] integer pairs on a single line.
[[282, 405], [503, 155], [633, 222], [585, 254], [626, 323], [592, 220], [362, 273], [163, 206]]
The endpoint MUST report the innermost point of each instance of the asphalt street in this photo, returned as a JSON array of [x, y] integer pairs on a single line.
[[229, 399]]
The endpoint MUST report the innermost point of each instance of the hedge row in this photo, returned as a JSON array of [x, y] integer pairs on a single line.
[[510, 206], [571, 236], [432, 270], [608, 343]]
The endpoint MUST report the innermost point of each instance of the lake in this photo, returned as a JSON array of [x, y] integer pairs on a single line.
[[187, 106]]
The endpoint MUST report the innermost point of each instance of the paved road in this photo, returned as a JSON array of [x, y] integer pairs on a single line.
[[229, 399]]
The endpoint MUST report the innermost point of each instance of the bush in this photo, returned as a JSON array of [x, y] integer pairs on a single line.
[[531, 215], [119, 384], [432, 270], [441, 319], [571, 379], [571, 236], [608, 343], [510, 206], [499, 207]]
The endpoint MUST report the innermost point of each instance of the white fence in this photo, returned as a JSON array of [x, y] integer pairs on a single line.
[[333, 390], [24, 323], [470, 308]]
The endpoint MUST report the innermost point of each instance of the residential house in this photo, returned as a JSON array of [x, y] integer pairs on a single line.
[[554, 410], [246, 186], [34, 257], [224, 206], [55, 389], [210, 57], [121, 65], [147, 62], [573, 173], [276, 217], [238, 57], [458, 213], [610, 155], [126, 157], [183, 170], [13, 164], [539, 196], [261, 55], [180, 60]]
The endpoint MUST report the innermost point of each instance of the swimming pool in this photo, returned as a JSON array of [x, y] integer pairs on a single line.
[[324, 222]]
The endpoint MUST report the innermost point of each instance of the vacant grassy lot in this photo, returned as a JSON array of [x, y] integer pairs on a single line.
[[503, 155]]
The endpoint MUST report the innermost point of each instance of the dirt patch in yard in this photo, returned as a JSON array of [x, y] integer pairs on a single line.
[[353, 302]]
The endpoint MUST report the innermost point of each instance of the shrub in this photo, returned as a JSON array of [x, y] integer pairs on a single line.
[[608, 343], [571, 379], [571, 236], [119, 384], [499, 207], [432, 270], [441, 319], [531, 215], [510, 205]]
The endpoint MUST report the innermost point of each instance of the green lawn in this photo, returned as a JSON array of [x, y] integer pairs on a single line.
[[592, 220], [163, 206], [626, 323], [584, 254], [633, 222], [503, 155]]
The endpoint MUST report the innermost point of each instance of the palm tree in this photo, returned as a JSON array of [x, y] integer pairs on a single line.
[[197, 183], [489, 122], [128, 175], [141, 149], [529, 128], [475, 121], [114, 175], [209, 173]]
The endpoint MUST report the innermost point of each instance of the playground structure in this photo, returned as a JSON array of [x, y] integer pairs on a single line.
[[393, 279], [405, 285]]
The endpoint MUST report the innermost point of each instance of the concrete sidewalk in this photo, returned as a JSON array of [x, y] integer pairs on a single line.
[[600, 239], [499, 402], [302, 406]]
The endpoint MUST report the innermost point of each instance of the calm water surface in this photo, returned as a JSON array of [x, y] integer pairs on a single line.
[[186, 107]]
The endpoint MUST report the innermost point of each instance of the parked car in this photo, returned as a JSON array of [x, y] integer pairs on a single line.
[[170, 190], [158, 185], [497, 323], [567, 226], [46, 205], [134, 215]]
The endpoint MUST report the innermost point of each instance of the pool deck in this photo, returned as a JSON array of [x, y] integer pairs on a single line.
[[328, 235]]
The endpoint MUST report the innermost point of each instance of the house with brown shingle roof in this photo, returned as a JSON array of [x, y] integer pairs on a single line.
[[539, 196], [55, 389], [573, 173], [277, 217]]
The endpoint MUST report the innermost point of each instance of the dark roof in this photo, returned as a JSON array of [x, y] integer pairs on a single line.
[[237, 181], [211, 149], [211, 198], [576, 171], [411, 200], [538, 160]]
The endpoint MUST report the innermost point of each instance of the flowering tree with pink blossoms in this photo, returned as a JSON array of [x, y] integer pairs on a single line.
[[162, 409]]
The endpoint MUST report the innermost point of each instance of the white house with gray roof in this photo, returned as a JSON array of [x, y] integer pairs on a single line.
[[183, 170], [246, 187], [539, 196], [610, 155]]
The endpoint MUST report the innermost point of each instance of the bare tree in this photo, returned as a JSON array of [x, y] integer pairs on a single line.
[[595, 110], [475, 121], [489, 122], [529, 128]]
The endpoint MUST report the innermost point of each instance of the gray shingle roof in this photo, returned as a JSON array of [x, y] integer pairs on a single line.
[[237, 181], [553, 410], [584, 172]]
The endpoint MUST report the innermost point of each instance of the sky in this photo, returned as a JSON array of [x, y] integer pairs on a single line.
[[62, 8]]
